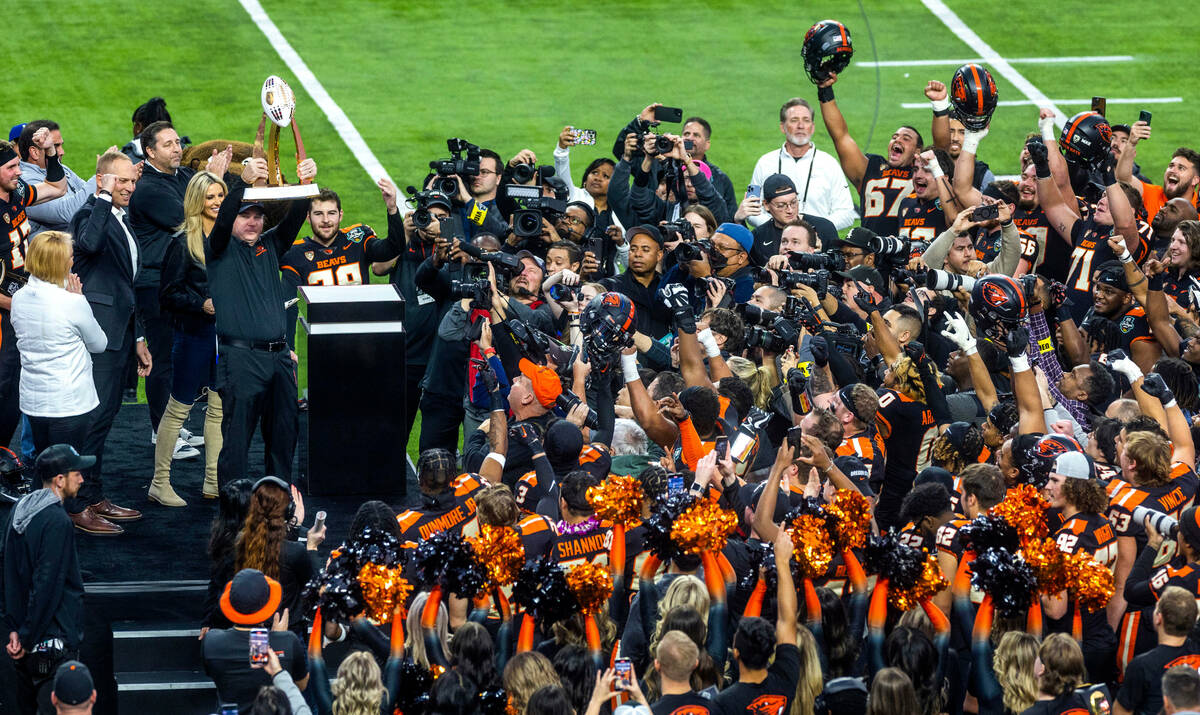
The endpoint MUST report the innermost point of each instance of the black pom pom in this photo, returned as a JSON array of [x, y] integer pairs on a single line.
[[541, 589], [989, 531], [415, 682], [900, 564], [1006, 577], [336, 590], [447, 559], [658, 526]]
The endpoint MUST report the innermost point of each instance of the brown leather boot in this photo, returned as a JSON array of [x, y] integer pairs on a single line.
[[90, 522]]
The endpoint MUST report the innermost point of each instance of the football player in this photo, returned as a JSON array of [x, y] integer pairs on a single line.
[[16, 196], [921, 215]]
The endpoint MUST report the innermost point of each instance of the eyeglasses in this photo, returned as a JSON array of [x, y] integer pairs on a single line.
[[571, 220], [853, 254], [488, 172], [726, 249], [793, 204]]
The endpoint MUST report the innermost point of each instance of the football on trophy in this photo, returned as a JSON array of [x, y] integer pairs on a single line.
[[278, 101]]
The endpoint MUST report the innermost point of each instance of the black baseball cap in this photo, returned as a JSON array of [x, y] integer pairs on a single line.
[[61, 459], [777, 185], [536, 259], [644, 230], [247, 205], [865, 274], [860, 238], [73, 683], [857, 472]]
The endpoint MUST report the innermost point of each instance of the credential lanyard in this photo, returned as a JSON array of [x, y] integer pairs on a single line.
[[807, 182]]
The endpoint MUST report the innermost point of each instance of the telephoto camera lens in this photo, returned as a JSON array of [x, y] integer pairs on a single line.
[[663, 145], [889, 246], [945, 280], [523, 173]]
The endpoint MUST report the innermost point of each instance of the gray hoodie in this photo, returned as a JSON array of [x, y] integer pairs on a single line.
[[29, 507]]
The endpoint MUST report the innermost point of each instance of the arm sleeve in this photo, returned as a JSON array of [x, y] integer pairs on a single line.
[[708, 196], [93, 335], [89, 230], [454, 324], [644, 204], [46, 584], [618, 194], [385, 249], [935, 255], [155, 206], [284, 235], [1138, 593], [841, 202], [1010, 250], [291, 284], [562, 166], [58, 212], [757, 177], [693, 448], [222, 232], [174, 294], [432, 280], [283, 681], [1041, 353]]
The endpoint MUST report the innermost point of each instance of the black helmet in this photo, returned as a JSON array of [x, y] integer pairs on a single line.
[[826, 49], [608, 326], [1039, 459], [998, 299], [973, 96], [1086, 138]]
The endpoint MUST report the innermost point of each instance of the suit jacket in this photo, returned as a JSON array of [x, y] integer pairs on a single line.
[[105, 266]]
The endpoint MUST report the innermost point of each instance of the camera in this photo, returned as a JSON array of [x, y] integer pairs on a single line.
[[679, 230], [945, 280], [507, 265], [891, 247], [446, 169], [479, 292], [538, 346], [816, 261], [524, 173], [1162, 523], [699, 250], [422, 201], [776, 339], [844, 338], [532, 207], [567, 401], [754, 315], [560, 292], [788, 280], [986, 212]]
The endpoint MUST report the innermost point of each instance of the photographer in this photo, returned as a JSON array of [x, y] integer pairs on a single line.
[[686, 181], [783, 205], [641, 279], [954, 250], [731, 245]]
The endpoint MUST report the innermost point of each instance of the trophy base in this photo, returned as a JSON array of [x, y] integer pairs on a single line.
[[281, 193]]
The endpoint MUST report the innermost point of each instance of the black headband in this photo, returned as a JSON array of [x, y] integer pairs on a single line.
[[7, 154], [846, 395]]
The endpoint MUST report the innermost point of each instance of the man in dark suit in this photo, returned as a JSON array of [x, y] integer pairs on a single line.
[[107, 261]]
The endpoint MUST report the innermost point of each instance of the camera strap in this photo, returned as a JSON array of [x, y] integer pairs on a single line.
[[807, 182]]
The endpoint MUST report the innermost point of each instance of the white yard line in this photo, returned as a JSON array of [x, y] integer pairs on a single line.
[[1012, 60], [1027, 102], [993, 58], [341, 123]]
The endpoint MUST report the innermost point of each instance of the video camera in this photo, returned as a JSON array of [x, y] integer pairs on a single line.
[[844, 338], [532, 207], [831, 261], [699, 250], [507, 265], [788, 280], [421, 201], [538, 347], [478, 291], [447, 169], [781, 335]]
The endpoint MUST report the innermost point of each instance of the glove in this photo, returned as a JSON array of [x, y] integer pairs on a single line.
[[527, 435], [797, 383], [958, 332], [1039, 154], [1029, 284], [490, 382], [820, 350], [1108, 171], [1017, 342], [1119, 361], [1155, 386], [677, 299], [864, 300]]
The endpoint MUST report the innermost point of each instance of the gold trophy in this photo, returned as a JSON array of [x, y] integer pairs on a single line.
[[279, 105]]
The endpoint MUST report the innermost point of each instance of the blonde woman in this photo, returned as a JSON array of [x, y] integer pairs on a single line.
[[811, 681], [56, 335], [414, 643], [1013, 666], [184, 296], [525, 674], [358, 689]]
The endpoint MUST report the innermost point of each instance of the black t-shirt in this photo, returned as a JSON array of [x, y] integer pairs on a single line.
[[1141, 693], [1070, 704], [685, 704], [773, 696], [227, 662]]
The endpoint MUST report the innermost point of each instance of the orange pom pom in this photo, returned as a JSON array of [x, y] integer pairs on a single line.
[[812, 545], [928, 585], [501, 553], [592, 585], [853, 514], [1049, 565], [1024, 508], [618, 500], [1091, 581], [383, 590], [703, 527]]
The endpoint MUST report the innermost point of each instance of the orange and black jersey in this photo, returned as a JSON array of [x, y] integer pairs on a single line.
[[921, 219], [911, 536], [342, 263], [868, 447], [883, 188], [529, 491], [1133, 327], [1176, 285], [448, 511], [1091, 250], [987, 243], [1035, 229], [908, 430], [1089, 533], [946, 540], [15, 224], [1170, 498], [537, 536]]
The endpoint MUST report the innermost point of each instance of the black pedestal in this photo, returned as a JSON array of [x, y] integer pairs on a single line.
[[356, 385]]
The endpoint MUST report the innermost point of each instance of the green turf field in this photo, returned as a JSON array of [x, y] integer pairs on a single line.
[[509, 75]]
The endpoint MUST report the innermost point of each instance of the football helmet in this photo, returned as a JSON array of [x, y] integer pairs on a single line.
[[997, 300], [608, 326], [827, 48], [1039, 460], [1086, 138], [973, 96]]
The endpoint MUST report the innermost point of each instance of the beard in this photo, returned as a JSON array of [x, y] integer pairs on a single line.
[[1027, 204], [798, 139], [1181, 189], [518, 290]]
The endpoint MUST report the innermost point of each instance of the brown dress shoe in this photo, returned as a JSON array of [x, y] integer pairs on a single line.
[[92, 523], [108, 510]]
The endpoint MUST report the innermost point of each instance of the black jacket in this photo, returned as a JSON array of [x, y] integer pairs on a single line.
[[43, 588], [155, 212], [184, 288], [105, 266]]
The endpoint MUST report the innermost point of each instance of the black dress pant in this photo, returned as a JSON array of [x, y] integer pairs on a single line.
[[108, 371], [10, 377], [160, 338], [256, 385], [441, 418], [412, 396], [72, 430]]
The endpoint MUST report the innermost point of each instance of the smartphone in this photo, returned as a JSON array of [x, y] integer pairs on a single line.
[[259, 644], [722, 447], [583, 137], [674, 483], [794, 435], [986, 212], [319, 520], [451, 228], [623, 668], [1099, 104], [668, 114], [754, 190], [1144, 116]]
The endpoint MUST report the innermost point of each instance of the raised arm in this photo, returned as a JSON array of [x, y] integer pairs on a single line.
[[1124, 169], [764, 524], [959, 333], [1062, 217], [940, 126], [55, 184], [1024, 384], [853, 160], [785, 605]]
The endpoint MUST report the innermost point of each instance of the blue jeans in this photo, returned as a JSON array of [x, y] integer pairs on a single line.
[[193, 362]]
